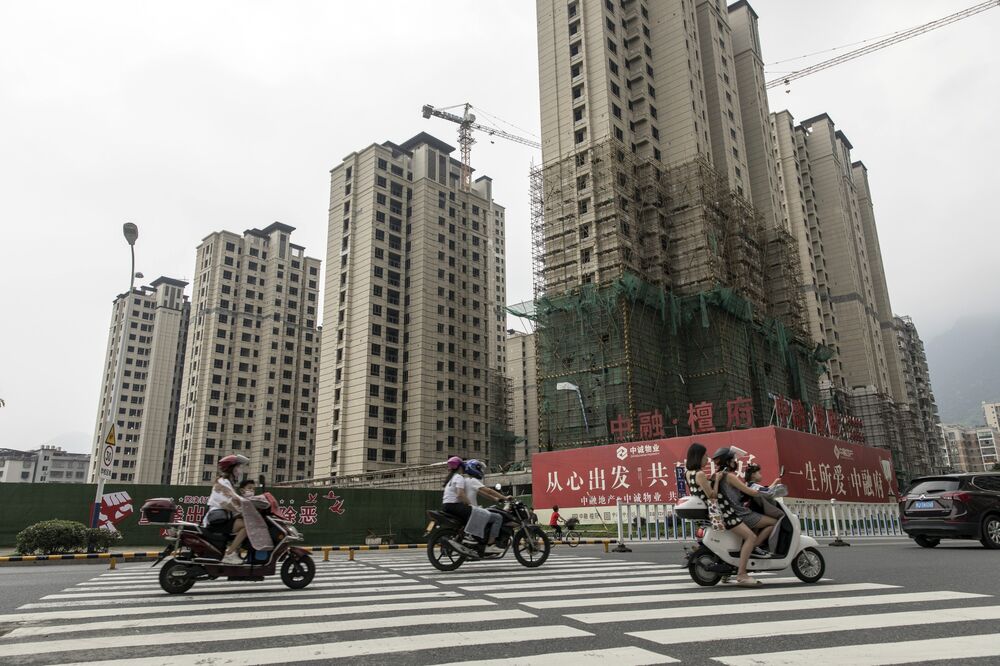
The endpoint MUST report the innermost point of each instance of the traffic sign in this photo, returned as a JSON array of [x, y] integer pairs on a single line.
[[108, 453]]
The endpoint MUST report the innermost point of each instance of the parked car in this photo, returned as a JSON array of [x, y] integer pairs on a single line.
[[952, 506]]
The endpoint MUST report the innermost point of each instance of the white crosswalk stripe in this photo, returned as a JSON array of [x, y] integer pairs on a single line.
[[360, 648], [738, 593], [952, 649], [819, 625], [623, 656], [769, 607], [260, 631], [250, 616]]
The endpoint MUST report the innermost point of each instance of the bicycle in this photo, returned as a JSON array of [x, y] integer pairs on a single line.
[[570, 537]]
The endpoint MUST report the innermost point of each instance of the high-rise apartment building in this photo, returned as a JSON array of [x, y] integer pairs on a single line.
[[833, 192], [879, 368], [798, 214], [643, 208], [250, 371], [643, 144], [522, 373], [156, 321], [991, 410], [411, 310]]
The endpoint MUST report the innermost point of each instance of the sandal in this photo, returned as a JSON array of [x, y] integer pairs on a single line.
[[748, 582]]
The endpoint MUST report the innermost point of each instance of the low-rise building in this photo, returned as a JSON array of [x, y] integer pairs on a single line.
[[46, 464]]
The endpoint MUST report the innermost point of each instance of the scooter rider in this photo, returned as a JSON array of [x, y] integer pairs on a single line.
[[224, 504], [738, 518]]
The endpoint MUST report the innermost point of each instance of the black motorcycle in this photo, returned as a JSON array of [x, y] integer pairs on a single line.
[[448, 546]]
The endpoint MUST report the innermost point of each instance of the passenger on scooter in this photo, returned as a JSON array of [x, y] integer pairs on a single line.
[[248, 488], [737, 517], [752, 478], [476, 472], [224, 504]]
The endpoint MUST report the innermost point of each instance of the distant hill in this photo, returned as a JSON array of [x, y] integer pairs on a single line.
[[965, 369]]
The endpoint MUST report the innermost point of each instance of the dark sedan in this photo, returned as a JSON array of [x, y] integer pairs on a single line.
[[952, 506]]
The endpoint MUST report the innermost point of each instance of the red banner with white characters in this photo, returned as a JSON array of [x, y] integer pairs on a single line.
[[653, 471], [823, 468]]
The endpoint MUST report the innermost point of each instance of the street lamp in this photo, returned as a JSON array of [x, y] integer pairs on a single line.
[[131, 233], [567, 386]]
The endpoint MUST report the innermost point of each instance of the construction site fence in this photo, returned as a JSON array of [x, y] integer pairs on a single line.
[[113, 558], [323, 515], [639, 522]]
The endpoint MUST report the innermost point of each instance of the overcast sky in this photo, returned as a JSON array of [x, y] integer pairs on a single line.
[[187, 118]]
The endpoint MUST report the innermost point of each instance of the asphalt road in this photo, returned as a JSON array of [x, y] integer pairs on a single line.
[[884, 602]]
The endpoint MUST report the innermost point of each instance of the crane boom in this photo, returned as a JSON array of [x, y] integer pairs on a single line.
[[466, 123], [883, 43]]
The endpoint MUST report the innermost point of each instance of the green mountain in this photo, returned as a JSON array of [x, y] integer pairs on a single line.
[[965, 368]]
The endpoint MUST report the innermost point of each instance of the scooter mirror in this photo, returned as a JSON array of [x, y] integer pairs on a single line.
[[262, 483]]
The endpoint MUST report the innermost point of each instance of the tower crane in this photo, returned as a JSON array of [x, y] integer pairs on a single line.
[[466, 123]]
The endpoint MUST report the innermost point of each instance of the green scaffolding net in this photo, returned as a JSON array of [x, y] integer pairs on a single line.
[[610, 354]]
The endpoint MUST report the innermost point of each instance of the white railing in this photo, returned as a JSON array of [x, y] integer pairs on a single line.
[[659, 522], [846, 519]]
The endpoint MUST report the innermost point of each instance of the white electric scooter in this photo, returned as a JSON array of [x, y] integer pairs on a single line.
[[718, 553]]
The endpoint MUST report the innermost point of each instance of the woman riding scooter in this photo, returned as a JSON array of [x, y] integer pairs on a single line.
[[224, 504], [738, 518]]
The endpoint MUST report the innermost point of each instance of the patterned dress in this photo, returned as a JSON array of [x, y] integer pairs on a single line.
[[731, 505]]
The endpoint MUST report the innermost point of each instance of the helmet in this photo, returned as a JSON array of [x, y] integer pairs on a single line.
[[725, 455], [454, 462], [229, 462], [474, 468]]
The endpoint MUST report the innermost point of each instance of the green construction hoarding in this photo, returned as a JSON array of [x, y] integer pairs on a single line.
[[326, 516]]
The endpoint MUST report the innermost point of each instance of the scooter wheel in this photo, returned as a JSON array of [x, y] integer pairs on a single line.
[[699, 568], [297, 572], [809, 565], [175, 578]]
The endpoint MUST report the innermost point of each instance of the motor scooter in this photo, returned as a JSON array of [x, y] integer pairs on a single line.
[[717, 554], [198, 550]]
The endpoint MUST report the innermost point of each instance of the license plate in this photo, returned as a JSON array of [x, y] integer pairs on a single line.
[[929, 504]]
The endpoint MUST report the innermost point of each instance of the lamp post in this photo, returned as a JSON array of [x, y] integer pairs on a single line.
[[567, 386], [131, 233]]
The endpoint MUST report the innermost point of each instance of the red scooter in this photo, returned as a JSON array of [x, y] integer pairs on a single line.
[[198, 550]]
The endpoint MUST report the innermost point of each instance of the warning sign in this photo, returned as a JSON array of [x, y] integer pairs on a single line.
[[108, 453]]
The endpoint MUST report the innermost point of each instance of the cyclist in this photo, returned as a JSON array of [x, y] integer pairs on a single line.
[[554, 521]]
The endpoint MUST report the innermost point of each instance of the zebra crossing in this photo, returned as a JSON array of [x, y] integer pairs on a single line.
[[574, 609]]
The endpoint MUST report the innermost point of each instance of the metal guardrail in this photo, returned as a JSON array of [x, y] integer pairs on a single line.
[[659, 522]]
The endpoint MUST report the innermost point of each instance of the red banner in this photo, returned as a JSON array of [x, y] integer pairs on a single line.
[[652, 471]]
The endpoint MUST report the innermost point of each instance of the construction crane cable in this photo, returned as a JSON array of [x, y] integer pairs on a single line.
[[831, 49], [894, 39], [501, 120]]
